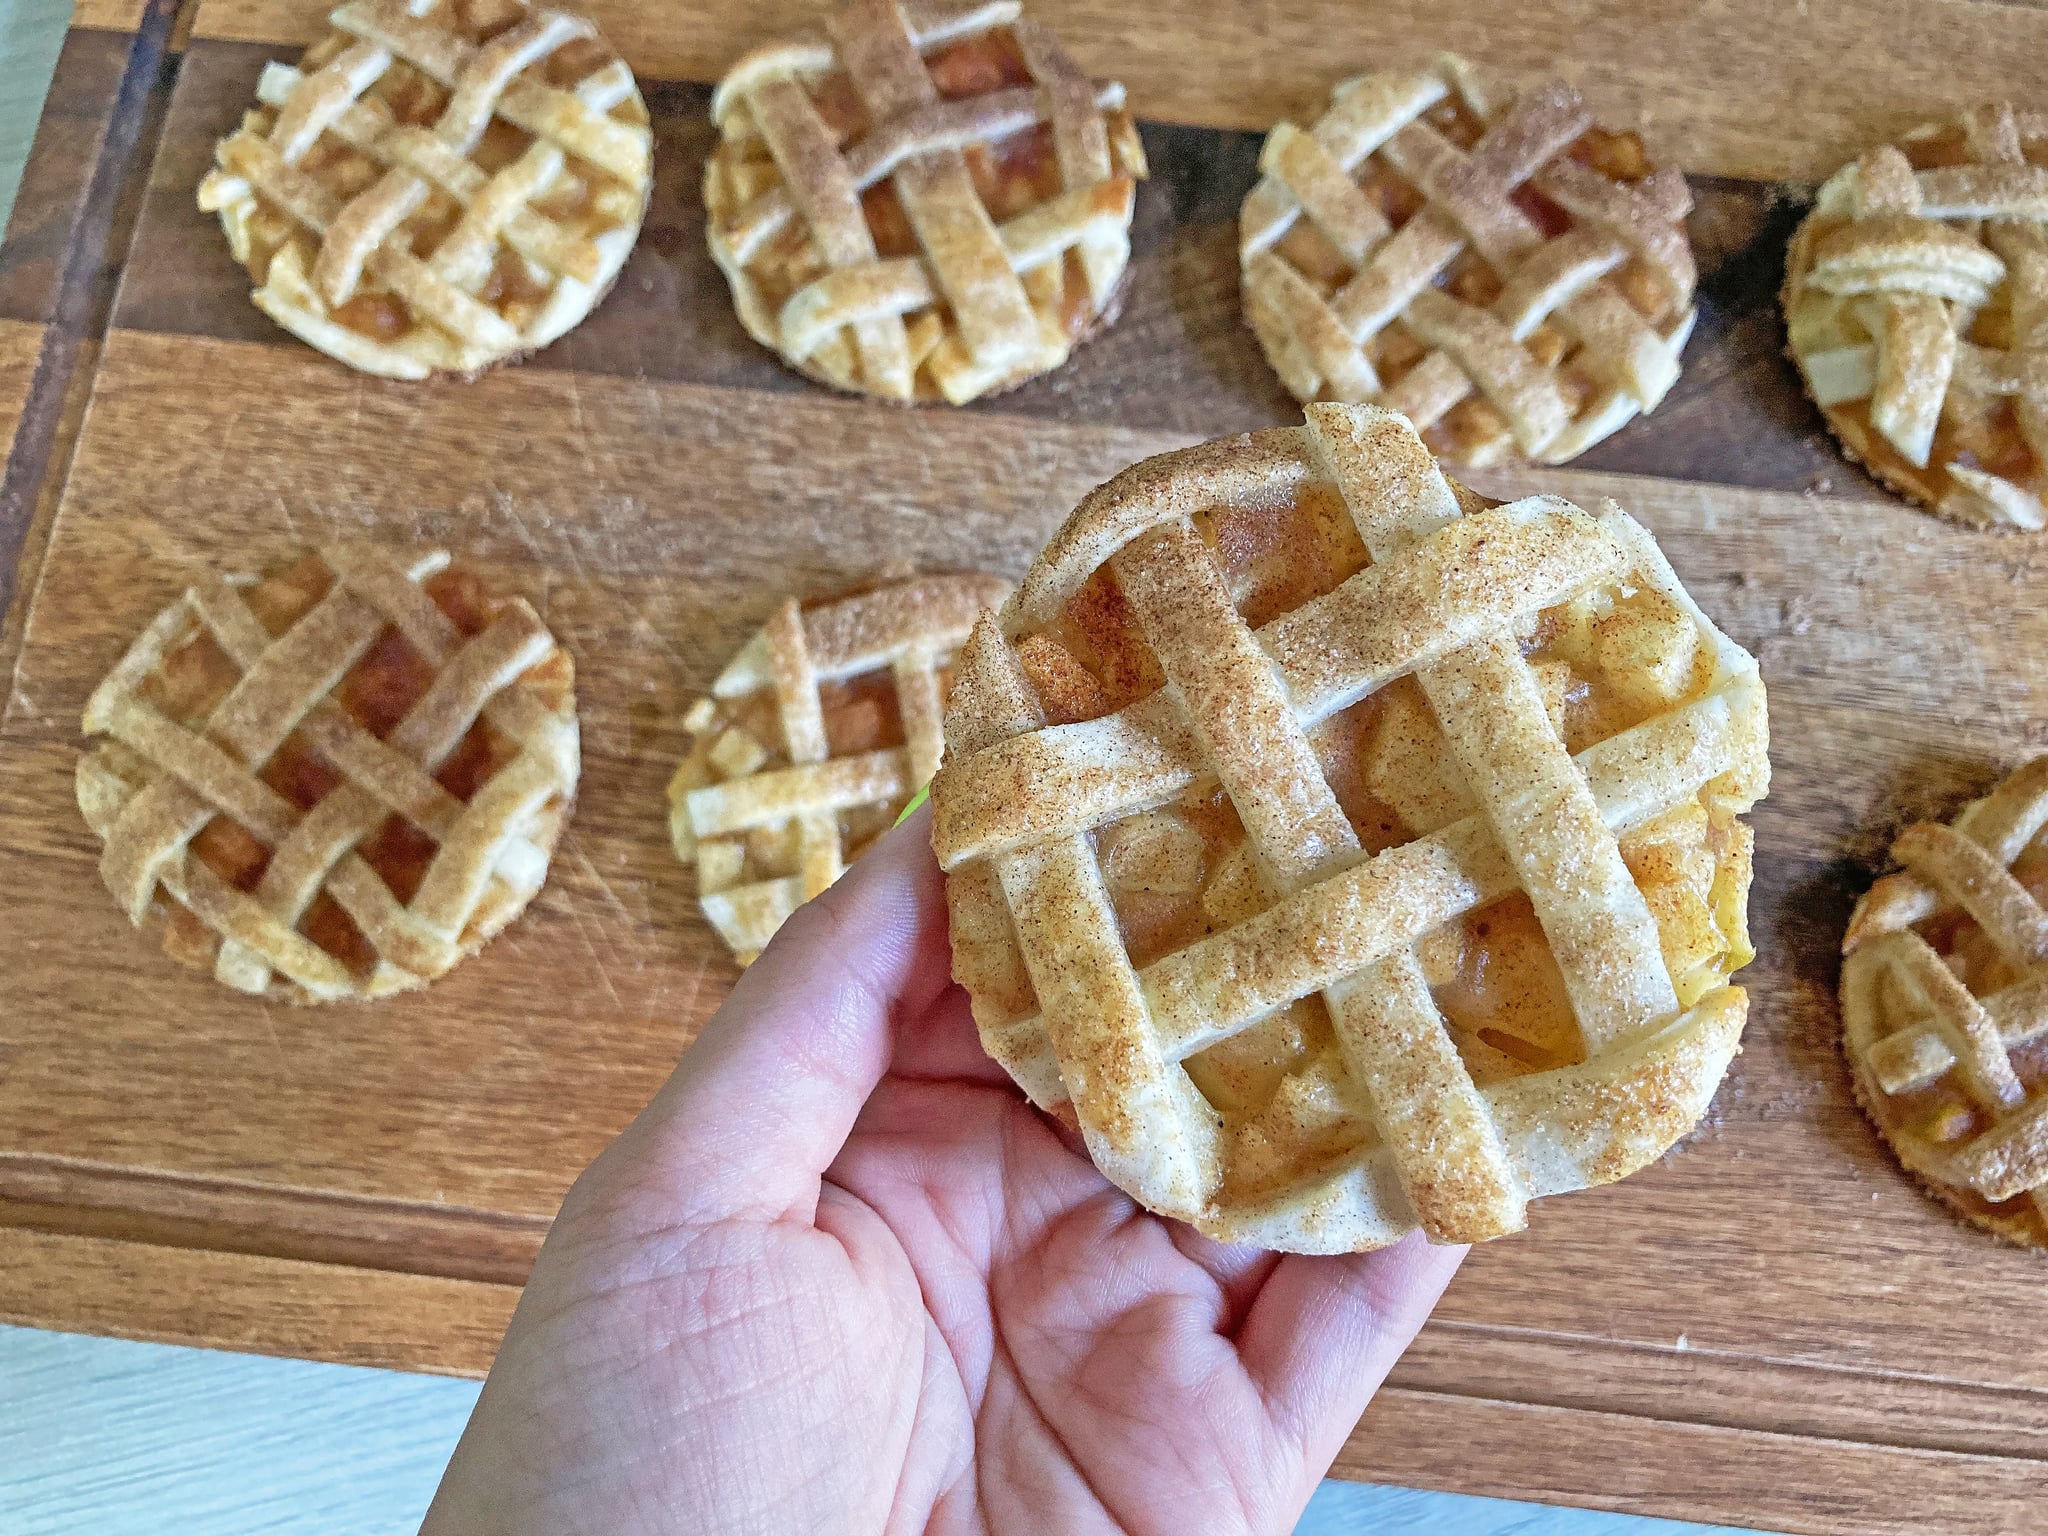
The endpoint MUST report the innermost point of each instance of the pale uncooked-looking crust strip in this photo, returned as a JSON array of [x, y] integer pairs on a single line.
[[1920, 254], [960, 242], [368, 127]]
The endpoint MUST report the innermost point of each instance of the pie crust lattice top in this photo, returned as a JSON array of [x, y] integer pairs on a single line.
[[1945, 1006], [1514, 280], [1396, 1120], [813, 740], [335, 782], [926, 202], [438, 186], [1916, 301]]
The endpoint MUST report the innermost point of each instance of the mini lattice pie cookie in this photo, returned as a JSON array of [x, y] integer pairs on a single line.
[[922, 203], [438, 186], [1945, 1007], [1514, 280], [1916, 301], [812, 742], [1352, 854], [337, 781]]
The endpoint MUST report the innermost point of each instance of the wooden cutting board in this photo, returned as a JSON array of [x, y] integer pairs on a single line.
[[1772, 1327]]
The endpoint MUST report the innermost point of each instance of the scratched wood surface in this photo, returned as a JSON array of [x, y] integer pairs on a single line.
[[1771, 1328]]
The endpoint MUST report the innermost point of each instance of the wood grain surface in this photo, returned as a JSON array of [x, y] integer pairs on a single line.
[[20, 342], [1771, 1327], [1759, 88], [108, 15], [350, 1315], [72, 218]]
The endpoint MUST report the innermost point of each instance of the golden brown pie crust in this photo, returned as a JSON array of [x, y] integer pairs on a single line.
[[1512, 278], [337, 781], [1945, 1008], [812, 741], [922, 207], [437, 191], [1916, 305], [1348, 852]]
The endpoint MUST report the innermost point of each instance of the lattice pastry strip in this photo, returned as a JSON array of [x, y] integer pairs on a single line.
[[1512, 279], [240, 780], [1945, 1007], [1033, 819], [437, 188], [923, 203], [812, 740], [1916, 301]]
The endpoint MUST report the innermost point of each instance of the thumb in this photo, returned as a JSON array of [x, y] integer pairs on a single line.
[[1324, 1332], [762, 1102]]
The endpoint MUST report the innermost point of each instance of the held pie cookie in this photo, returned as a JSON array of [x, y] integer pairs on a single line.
[[1916, 303], [337, 781], [1350, 852], [922, 203], [437, 187], [811, 743], [1945, 1007], [1513, 279]]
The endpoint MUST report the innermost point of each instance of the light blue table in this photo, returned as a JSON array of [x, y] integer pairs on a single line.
[[113, 1438]]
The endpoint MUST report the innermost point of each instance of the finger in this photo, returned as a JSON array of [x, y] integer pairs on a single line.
[[762, 1102], [942, 1045], [1240, 1272], [1324, 1332]]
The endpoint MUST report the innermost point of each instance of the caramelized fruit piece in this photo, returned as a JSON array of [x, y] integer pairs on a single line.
[[861, 714], [376, 315], [978, 65], [1506, 989]]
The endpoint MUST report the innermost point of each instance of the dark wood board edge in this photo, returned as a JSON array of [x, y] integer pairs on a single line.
[[86, 255], [1727, 1389], [57, 448], [266, 1226], [57, 178]]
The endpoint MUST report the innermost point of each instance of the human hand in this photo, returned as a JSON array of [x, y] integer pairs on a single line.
[[840, 1276]]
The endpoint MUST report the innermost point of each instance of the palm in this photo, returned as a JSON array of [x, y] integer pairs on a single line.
[[961, 1326]]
